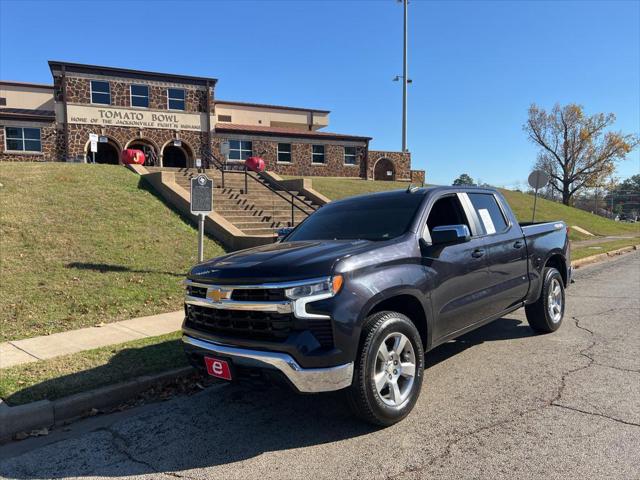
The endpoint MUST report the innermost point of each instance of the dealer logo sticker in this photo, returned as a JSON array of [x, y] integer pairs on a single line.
[[218, 368]]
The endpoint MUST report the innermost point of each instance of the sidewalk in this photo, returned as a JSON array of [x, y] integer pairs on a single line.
[[28, 350]]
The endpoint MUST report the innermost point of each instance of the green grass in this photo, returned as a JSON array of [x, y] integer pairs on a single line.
[[80, 372], [337, 188], [521, 203], [596, 248], [85, 244]]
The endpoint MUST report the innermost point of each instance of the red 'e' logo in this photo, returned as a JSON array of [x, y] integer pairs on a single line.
[[217, 368]]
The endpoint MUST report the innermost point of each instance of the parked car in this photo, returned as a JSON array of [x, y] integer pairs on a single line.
[[356, 294]]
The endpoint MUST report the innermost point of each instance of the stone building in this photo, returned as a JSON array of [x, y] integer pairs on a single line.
[[174, 120]]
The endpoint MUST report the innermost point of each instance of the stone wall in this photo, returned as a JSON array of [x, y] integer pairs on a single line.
[[195, 143], [418, 176], [51, 140], [301, 164], [79, 91], [401, 162]]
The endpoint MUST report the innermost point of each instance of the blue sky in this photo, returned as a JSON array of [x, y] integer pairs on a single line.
[[475, 65]]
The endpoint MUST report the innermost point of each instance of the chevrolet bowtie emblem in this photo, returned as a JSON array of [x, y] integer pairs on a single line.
[[215, 294]]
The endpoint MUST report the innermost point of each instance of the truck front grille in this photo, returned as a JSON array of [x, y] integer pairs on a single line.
[[195, 291], [258, 295], [255, 325]]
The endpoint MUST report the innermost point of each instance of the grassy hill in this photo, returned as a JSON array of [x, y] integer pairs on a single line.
[[85, 244], [521, 203]]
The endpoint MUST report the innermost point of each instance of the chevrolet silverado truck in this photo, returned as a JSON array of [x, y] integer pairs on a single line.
[[354, 296]]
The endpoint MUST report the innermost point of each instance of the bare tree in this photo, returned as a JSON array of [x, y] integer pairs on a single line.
[[575, 149]]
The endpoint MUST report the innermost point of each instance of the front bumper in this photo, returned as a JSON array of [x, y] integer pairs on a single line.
[[305, 380]]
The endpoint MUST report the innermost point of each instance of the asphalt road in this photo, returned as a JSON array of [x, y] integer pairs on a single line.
[[500, 402]]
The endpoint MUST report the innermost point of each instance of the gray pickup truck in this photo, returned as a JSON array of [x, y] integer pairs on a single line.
[[355, 295]]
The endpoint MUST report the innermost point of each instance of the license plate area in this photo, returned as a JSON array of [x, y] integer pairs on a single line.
[[216, 367]]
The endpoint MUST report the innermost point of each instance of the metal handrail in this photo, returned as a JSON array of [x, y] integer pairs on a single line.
[[291, 201], [262, 180]]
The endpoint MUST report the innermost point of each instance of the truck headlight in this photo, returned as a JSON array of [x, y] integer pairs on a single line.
[[330, 286]]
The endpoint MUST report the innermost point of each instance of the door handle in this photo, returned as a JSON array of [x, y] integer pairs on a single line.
[[518, 244], [477, 253]]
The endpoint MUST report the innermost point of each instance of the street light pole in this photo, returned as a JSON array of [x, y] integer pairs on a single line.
[[405, 79]]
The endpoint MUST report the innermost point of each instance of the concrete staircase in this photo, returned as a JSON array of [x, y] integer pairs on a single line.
[[258, 211]]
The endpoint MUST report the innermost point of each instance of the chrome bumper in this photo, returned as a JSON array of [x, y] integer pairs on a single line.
[[306, 380]]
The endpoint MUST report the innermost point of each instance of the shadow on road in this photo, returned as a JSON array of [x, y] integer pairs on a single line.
[[223, 425], [502, 329]]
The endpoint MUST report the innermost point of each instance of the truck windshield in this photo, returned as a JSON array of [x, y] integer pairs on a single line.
[[376, 217]]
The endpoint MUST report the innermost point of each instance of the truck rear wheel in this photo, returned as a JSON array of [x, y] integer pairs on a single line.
[[545, 315], [388, 371]]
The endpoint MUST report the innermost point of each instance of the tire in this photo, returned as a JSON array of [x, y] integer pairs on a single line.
[[546, 314], [387, 405]]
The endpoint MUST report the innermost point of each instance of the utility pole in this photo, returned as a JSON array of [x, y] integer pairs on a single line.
[[405, 79]]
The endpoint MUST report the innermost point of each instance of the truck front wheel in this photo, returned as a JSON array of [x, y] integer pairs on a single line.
[[545, 315], [388, 371]]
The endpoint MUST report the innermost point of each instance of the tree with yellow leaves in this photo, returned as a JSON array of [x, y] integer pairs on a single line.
[[576, 150]]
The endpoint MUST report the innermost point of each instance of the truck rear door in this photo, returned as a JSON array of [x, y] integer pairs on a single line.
[[459, 272], [506, 249]]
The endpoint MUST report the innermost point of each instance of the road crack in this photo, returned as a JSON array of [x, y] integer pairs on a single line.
[[551, 403], [586, 412], [121, 444]]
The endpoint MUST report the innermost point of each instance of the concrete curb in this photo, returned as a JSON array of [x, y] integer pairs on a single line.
[[601, 257], [46, 413]]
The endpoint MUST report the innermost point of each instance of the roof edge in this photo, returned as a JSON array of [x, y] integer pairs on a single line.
[[267, 105], [130, 73], [254, 130], [14, 83]]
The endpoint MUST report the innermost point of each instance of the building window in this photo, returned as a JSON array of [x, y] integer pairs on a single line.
[[224, 118], [175, 98], [140, 96], [239, 149], [100, 92], [317, 155], [23, 139], [284, 153], [349, 155]]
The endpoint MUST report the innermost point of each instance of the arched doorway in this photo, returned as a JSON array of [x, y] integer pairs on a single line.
[[176, 155], [108, 152], [384, 169], [148, 148]]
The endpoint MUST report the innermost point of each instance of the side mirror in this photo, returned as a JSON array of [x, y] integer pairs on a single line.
[[283, 232], [447, 234]]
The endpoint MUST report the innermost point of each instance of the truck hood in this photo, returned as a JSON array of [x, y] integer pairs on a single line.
[[278, 262]]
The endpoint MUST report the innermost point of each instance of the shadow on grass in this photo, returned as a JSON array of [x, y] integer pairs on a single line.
[[143, 184], [223, 425], [124, 365], [107, 267]]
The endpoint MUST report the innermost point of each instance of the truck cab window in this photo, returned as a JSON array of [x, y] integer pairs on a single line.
[[447, 211], [489, 212]]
